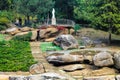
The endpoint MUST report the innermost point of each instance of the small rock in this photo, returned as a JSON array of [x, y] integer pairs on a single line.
[[103, 59], [117, 60], [17, 78], [52, 76], [65, 58], [37, 68]]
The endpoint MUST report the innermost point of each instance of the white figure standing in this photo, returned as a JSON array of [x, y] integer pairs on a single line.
[[53, 17], [53, 13]]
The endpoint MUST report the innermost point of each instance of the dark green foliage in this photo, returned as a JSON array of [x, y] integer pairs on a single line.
[[2, 27], [5, 4], [25, 37], [15, 56], [64, 8], [33, 8]]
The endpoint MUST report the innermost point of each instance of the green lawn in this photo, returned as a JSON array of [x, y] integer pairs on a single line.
[[49, 46], [15, 56]]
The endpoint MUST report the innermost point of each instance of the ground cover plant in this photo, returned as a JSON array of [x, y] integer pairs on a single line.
[[15, 56], [48, 46]]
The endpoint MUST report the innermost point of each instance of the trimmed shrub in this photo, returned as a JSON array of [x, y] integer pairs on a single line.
[[15, 56]]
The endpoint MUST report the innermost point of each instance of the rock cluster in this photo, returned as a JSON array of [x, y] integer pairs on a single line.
[[44, 76], [49, 33], [46, 33], [101, 63]]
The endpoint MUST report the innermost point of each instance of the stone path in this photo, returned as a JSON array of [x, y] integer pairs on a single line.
[[39, 56]]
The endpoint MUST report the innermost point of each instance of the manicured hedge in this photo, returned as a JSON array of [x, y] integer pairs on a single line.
[[15, 56]]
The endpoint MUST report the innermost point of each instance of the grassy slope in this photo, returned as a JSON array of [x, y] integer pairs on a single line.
[[92, 33], [99, 34]]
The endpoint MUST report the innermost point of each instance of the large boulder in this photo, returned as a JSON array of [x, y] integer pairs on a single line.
[[25, 29], [73, 67], [37, 68], [42, 33], [50, 39], [117, 60], [66, 42], [12, 31], [17, 78], [48, 32], [103, 59], [51, 29], [65, 58], [34, 35], [21, 33]]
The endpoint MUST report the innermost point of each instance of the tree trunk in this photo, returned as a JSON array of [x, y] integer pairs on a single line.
[[109, 40], [110, 34], [28, 19]]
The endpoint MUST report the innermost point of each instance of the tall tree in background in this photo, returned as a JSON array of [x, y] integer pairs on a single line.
[[33, 7], [83, 11], [64, 8], [101, 14], [5, 4], [107, 16]]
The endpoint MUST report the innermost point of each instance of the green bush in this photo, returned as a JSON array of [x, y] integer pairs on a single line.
[[2, 27], [25, 37], [15, 56], [4, 20]]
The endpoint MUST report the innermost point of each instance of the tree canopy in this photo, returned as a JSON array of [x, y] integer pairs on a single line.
[[100, 14]]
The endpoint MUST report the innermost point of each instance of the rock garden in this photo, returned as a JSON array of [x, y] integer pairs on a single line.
[[56, 54]]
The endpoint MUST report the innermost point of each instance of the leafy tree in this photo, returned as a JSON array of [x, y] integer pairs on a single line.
[[33, 7], [5, 4], [107, 16], [102, 14], [83, 11], [64, 8]]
